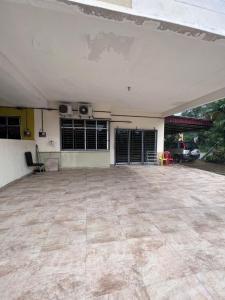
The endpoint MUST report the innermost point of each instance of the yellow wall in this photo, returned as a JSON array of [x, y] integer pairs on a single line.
[[127, 3], [5, 111]]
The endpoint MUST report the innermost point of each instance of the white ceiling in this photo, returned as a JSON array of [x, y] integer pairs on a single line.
[[53, 51]]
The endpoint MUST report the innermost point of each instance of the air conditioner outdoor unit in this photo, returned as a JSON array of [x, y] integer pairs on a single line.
[[85, 110], [65, 110]]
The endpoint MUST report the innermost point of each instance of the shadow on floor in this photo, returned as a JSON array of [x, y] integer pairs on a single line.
[[207, 166]]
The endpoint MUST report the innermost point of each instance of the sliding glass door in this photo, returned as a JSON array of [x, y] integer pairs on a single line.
[[122, 142], [135, 146]]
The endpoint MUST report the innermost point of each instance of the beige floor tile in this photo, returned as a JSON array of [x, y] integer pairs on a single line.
[[214, 282], [186, 288], [118, 233]]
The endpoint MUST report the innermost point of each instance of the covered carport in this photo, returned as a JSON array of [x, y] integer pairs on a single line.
[[133, 71], [179, 124], [93, 230]]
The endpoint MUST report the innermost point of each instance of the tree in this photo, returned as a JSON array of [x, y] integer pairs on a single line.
[[214, 111]]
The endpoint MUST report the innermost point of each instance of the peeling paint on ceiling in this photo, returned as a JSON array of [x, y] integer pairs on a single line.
[[110, 14], [192, 32], [139, 20], [106, 42], [69, 55]]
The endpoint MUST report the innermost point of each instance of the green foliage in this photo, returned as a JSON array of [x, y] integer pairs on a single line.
[[170, 139], [216, 112], [217, 156]]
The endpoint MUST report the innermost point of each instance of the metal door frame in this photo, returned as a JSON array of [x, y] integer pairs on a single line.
[[142, 146], [141, 162], [128, 149], [156, 140]]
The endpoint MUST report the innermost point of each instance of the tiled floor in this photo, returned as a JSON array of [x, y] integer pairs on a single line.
[[118, 233]]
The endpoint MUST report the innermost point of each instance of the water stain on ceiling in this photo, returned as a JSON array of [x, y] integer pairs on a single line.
[[105, 42]]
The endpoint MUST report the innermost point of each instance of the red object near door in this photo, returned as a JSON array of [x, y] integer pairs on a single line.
[[168, 158]]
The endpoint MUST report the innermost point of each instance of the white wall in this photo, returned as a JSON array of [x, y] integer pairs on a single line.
[[51, 126], [206, 15], [12, 159], [84, 159], [91, 158], [127, 3]]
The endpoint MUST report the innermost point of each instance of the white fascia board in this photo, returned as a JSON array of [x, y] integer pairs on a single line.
[[135, 12], [214, 96], [149, 15]]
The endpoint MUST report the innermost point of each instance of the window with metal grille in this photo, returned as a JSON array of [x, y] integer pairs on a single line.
[[84, 134], [10, 128]]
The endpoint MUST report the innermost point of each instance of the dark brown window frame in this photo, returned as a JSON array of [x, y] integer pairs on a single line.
[[8, 126], [74, 127]]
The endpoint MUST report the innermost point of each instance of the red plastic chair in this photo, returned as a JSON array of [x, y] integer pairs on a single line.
[[168, 158]]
